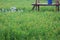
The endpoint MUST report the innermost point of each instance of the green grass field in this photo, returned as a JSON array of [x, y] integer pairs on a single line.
[[29, 25]]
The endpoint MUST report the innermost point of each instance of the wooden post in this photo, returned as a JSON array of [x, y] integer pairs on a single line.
[[57, 5], [37, 6]]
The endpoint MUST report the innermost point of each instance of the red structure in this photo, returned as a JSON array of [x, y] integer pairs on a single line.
[[37, 4]]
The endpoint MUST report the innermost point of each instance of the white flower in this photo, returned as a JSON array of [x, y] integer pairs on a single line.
[[13, 9]]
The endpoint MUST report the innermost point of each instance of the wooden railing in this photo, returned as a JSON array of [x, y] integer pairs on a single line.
[[37, 4]]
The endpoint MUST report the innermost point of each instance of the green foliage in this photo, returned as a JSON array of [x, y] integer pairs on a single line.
[[28, 25]]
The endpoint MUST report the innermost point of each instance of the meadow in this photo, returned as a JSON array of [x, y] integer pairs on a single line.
[[29, 25]]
